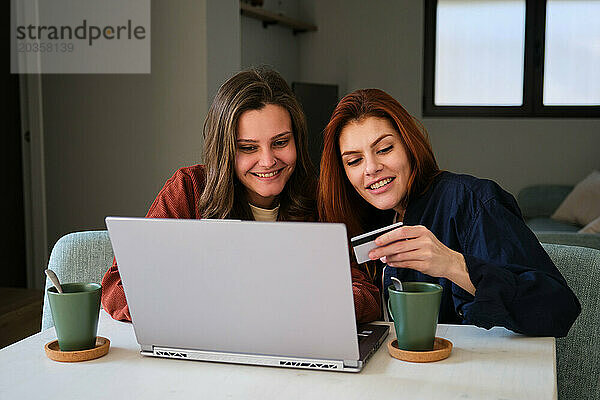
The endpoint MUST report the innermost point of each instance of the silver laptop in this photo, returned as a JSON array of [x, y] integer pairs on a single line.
[[275, 294]]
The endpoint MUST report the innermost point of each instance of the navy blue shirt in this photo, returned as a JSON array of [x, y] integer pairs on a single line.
[[517, 285]]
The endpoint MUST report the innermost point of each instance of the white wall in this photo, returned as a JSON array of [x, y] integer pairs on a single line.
[[381, 45], [275, 45], [223, 35]]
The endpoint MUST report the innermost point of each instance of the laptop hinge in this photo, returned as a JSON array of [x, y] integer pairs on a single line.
[[351, 363]]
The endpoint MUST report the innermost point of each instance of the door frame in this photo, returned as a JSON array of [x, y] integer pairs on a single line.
[[32, 145]]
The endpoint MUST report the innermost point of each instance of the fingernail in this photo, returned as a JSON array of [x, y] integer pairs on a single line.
[[383, 259]]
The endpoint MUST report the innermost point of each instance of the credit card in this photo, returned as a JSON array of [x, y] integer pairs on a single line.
[[363, 244]]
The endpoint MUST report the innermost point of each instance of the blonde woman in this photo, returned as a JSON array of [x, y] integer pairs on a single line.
[[257, 166]]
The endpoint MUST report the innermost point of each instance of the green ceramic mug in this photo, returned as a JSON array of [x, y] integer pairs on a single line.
[[75, 313], [415, 312]]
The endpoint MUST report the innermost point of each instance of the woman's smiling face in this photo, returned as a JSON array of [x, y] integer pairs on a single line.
[[266, 153], [375, 162]]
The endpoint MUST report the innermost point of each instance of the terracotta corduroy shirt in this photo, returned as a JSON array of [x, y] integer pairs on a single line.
[[179, 199]]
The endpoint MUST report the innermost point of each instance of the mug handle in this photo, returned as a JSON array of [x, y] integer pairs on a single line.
[[389, 307]]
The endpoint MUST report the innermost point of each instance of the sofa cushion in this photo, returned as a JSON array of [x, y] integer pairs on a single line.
[[592, 227], [541, 200], [548, 224], [582, 205]]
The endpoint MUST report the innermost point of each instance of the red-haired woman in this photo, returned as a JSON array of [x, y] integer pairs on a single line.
[[464, 233]]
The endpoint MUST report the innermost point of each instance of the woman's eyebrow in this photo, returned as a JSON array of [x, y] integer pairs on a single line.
[[281, 135], [278, 136], [379, 139], [347, 153]]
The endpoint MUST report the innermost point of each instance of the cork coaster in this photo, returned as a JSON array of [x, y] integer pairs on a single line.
[[54, 353], [441, 350]]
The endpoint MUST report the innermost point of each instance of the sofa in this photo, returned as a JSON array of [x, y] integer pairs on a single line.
[[538, 203]]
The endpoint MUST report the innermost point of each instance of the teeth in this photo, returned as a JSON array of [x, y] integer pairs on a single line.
[[381, 183], [270, 174]]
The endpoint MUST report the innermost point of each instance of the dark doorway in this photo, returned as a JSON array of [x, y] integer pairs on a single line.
[[318, 102], [12, 246]]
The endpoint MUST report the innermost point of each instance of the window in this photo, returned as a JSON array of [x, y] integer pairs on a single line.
[[522, 58]]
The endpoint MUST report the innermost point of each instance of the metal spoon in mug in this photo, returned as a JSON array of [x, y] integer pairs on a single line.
[[54, 279], [397, 283]]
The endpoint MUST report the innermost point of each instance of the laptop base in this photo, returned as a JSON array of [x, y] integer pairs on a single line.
[[372, 338], [267, 361]]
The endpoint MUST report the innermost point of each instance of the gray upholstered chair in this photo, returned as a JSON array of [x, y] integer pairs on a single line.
[[578, 354], [78, 257]]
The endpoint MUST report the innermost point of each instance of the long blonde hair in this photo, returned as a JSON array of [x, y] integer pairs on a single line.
[[224, 196]]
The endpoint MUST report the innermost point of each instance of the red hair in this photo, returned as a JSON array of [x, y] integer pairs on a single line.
[[337, 200]]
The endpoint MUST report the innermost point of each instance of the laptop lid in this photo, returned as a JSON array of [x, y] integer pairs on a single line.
[[245, 287]]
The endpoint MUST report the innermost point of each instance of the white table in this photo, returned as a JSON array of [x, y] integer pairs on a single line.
[[494, 364]]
